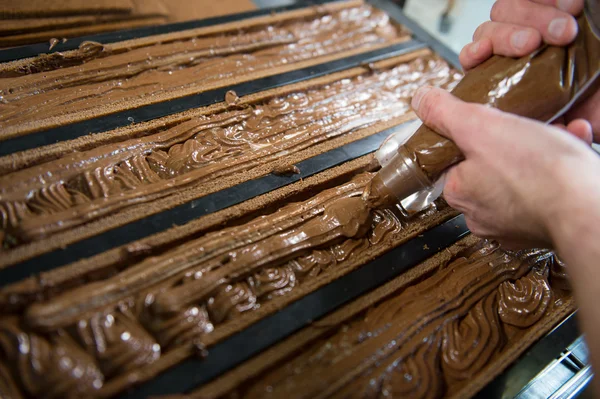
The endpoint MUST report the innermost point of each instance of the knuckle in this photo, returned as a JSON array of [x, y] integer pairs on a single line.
[[496, 10], [477, 33], [483, 30]]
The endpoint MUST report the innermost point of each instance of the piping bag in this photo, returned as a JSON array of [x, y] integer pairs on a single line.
[[541, 86]]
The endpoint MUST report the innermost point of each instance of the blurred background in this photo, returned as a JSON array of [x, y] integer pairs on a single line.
[[450, 21]]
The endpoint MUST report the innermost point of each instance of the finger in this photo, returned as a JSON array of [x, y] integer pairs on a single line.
[[588, 110], [556, 27], [573, 7], [510, 40], [451, 117], [454, 188], [582, 129], [475, 53]]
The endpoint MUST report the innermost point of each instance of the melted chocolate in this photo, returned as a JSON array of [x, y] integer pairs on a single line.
[[140, 76], [82, 186], [536, 86], [286, 170], [180, 297], [428, 341]]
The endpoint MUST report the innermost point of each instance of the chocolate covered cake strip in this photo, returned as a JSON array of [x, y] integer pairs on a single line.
[[83, 186], [441, 337], [236, 276], [140, 76]]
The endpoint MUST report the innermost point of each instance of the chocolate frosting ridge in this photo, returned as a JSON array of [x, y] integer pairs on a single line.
[[424, 340], [155, 311], [139, 76], [83, 186]]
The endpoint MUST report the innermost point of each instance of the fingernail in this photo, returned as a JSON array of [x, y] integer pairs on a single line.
[[564, 5], [416, 100], [520, 39], [474, 48], [557, 27]]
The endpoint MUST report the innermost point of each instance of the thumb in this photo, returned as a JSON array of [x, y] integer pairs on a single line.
[[446, 114]]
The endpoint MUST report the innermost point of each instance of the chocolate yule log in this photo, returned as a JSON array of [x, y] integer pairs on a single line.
[[151, 315], [83, 186], [443, 330], [117, 78]]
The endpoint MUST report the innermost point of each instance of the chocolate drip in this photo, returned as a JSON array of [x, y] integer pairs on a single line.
[[535, 86], [82, 186], [140, 76], [425, 340]]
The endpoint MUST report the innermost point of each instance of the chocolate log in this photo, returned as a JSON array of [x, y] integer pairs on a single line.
[[435, 338], [129, 78], [131, 325], [80, 187], [536, 86]]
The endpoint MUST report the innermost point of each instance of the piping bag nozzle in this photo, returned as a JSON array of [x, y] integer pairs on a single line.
[[401, 181], [533, 86]]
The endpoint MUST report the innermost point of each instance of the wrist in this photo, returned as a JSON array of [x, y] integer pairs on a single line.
[[574, 208]]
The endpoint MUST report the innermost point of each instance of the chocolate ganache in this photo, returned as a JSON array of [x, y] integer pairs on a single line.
[[428, 341], [141, 76], [537, 86], [152, 314], [82, 186]]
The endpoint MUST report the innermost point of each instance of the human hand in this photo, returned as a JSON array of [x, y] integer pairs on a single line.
[[518, 27], [517, 173]]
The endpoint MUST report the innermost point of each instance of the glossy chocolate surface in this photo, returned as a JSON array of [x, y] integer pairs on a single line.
[[80, 187], [98, 337], [129, 78], [429, 340], [536, 86]]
